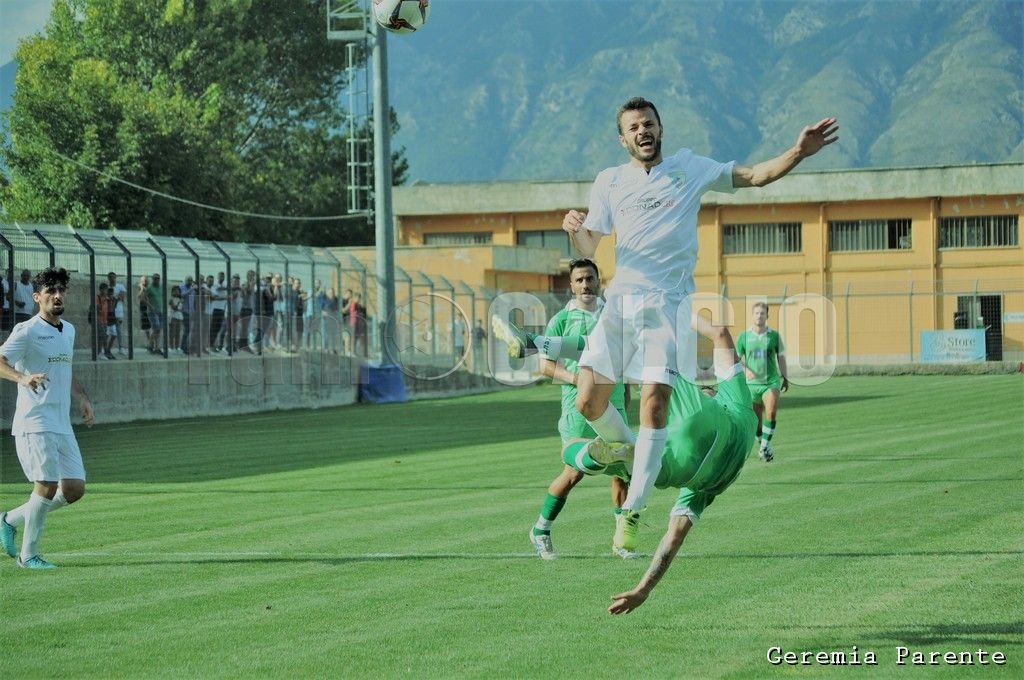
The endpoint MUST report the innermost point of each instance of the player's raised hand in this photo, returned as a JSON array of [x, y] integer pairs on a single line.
[[814, 137], [573, 221]]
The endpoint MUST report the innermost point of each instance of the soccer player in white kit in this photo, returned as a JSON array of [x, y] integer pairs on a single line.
[[644, 336], [37, 355]]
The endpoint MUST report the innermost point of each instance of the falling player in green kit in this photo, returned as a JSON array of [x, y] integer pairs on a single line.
[[760, 348]]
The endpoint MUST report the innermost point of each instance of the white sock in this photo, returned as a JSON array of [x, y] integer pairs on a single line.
[[35, 519], [650, 444], [548, 346], [611, 426]]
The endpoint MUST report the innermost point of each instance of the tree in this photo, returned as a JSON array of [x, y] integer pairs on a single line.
[[229, 104]]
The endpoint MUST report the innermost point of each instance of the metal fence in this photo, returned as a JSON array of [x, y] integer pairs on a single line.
[[272, 298]]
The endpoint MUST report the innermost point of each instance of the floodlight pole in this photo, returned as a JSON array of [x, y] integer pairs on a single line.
[[382, 194]]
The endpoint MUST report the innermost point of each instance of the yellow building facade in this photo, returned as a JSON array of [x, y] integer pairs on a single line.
[[854, 264]]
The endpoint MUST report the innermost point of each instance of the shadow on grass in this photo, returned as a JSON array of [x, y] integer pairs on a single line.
[[986, 634], [226, 447]]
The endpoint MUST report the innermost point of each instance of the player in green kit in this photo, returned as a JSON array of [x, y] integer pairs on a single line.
[[576, 319], [709, 439], [760, 348]]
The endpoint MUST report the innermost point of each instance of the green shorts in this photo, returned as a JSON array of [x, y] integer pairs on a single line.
[[757, 390], [574, 426]]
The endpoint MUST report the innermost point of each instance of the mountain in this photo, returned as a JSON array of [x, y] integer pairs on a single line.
[[511, 90]]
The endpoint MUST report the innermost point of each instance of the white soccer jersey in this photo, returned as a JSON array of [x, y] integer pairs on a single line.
[[654, 217], [35, 346]]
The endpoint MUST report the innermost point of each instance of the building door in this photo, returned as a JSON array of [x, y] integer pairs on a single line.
[[983, 311]]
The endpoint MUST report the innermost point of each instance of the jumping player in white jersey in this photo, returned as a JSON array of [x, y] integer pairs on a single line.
[[643, 336], [37, 356]]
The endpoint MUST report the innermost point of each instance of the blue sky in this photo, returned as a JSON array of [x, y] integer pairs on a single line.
[[20, 19]]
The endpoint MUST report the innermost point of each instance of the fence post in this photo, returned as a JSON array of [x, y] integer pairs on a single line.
[[910, 314], [846, 311]]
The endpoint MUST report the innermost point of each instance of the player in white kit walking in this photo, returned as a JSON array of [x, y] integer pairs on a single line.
[[37, 356]]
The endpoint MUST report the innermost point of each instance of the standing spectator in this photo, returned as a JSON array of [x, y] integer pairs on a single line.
[[357, 325], [458, 339], [187, 300], [157, 313], [479, 342], [235, 300], [6, 317], [298, 310], [330, 322], [140, 293], [99, 317], [246, 320], [120, 295], [174, 318], [309, 309], [45, 442], [278, 329], [218, 310], [109, 321], [345, 300], [24, 305]]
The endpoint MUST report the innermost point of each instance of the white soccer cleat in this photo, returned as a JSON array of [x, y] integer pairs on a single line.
[[765, 453], [542, 546]]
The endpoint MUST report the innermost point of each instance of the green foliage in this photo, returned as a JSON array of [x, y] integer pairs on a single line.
[[229, 104], [333, 544]]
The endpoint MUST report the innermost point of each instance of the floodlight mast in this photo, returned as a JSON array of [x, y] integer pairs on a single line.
[[348, 21]]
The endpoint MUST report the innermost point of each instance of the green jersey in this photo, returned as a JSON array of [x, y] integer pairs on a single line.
[[571, 320], [708, 440], [760, 353]]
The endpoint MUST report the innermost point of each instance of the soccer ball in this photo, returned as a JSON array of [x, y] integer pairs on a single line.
[[401, 16]]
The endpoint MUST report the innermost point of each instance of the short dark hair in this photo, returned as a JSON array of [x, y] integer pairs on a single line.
[[580, 262], [635, 104], [51, 276]]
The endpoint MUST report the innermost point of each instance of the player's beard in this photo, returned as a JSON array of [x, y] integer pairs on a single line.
[[645, 155]]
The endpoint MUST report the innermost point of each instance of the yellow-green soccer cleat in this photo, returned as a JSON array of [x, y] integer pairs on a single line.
[[627, 526], [514, 337], [609, 453]]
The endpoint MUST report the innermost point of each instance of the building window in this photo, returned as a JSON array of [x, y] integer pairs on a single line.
[[753, 239], [869, 234], [986, 231], [474, 238], [555, 239]]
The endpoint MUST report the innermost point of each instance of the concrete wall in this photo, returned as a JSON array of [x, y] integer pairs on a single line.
[[125, 391]]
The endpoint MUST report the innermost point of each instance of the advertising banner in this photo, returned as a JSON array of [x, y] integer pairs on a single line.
[[953, 346]]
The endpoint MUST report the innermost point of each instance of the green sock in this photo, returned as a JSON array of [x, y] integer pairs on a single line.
[[767, 431], [575, 456], [548, 512]]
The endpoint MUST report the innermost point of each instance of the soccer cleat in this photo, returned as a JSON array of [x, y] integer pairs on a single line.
[[627, 526], [7, 533], [542, 546], [623, 553], [514, 337], [765, 453], [36, 562], [608, 453]]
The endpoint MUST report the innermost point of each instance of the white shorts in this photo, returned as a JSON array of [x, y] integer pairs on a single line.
[[643, 337], [49, 457]]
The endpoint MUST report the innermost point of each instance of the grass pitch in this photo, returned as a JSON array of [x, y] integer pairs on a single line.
[[390, 541]]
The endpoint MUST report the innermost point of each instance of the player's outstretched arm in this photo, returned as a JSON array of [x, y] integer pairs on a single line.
[[678, 527], [811, 140]]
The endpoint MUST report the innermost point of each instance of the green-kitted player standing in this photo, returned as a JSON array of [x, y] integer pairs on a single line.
[[763, 355]]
